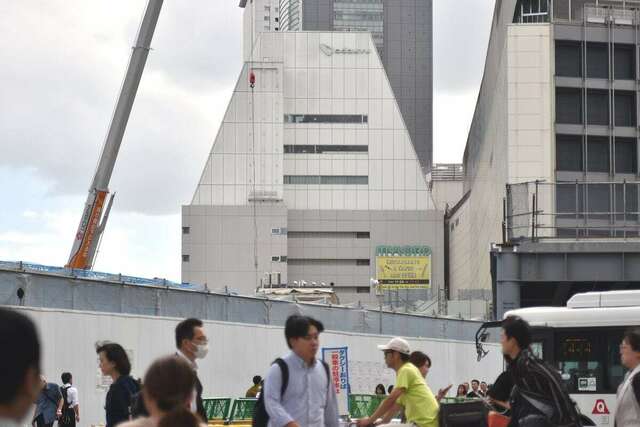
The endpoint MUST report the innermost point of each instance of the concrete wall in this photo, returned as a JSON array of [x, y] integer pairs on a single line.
[[237, 352], [446, 193]]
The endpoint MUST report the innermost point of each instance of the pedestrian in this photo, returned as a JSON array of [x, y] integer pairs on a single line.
[[628, 397], [390, 389], [192, 344], [483, 389], [475, 388], [255, 388], [70, 408], [539, 397], [114, 362], [168, 387], [462, 391], [500, 392], [19, 367], [423, 363], [380, 391], [307, 398], [48, 404], [410, 392]]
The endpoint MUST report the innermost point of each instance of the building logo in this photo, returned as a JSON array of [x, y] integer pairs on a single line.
[[403, 267], [328, 50]]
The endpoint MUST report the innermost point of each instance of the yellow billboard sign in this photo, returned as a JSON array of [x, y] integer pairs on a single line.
[[403, 267]]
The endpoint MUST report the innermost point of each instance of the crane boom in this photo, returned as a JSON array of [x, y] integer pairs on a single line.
[[92, 222]]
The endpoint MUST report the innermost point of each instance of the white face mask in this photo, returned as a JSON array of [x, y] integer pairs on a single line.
[[201, 351]]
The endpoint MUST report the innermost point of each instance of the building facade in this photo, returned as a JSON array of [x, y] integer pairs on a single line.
[[552, 151], [402, 33], [311, 172]]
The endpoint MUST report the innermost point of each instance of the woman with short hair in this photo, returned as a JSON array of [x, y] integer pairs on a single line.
[[114, 362]]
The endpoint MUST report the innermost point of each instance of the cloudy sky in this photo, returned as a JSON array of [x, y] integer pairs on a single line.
[[62, 65]]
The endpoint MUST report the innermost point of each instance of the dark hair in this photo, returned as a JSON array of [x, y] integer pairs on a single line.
[[116, 354], [184, 330], [180, 417], [632, 337], [419, 359], [297, 326], [483, 382], [404, 357], [257, 380], [18, 333], [390, 389], [381, 387], [170, 382], [517, 328], [475, 381], [464, 389], [66, 377]]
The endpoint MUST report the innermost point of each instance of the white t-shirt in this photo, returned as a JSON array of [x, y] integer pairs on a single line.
[[72, 395]]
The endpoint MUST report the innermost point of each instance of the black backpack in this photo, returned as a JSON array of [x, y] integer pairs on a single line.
[[260, 414], [68, 416]]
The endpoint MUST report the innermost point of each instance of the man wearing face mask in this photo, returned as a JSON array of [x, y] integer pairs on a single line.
[[192, 344]]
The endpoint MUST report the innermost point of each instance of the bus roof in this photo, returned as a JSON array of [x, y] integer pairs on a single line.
[[590, 309]]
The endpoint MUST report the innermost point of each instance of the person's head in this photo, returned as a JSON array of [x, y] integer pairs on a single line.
[[191, 339], [180, 417], [515, 336], [462, 390], [168, 385], [66, 378], [396, 353], [19, 364], [475, 385], [303, 336], [390, 389], [113, 360], [630, 349], [257, 380], [421, 361], [380, 391], [483, 387]]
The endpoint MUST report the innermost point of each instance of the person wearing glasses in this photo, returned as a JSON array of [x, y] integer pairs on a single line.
[[410, 393]]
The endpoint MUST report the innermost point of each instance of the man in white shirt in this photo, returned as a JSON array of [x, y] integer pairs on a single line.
[[19, 367], [71, 404]]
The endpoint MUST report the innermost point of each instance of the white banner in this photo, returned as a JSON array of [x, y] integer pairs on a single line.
[[338, 363]]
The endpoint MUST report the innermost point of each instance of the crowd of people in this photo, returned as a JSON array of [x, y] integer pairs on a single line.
[[297, 390]]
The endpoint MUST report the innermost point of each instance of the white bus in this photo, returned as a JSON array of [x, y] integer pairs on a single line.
[[582, 341]]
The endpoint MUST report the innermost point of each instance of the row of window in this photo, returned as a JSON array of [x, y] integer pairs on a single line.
[[326, 180], [326, 118], [602, 60], [569, 107], [575, 153], [574, 200], [329, 235], [321, 149]]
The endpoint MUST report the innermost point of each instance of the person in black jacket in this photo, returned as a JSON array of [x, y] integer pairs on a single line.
[[114, 362], [192, 344]]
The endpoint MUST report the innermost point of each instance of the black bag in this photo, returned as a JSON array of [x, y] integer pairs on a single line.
[[68, 416], [260, 414]]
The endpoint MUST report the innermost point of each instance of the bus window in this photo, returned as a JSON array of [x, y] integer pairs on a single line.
[[615, 371], [537, 349], [579, 362]]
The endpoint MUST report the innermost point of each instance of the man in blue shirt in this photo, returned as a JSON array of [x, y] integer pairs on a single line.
[[310, 398], [48, 405]]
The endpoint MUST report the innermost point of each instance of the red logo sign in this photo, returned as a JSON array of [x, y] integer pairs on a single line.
[[600, 408]]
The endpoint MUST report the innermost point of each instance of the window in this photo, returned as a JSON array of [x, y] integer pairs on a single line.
[[624, 62], [597, 61], [186, 230], [568, 106], [597, 107], [625, 104], [325, 180], [569, 153], [185, 258], [275, 259], [362, 235], [626, 202], [579, 360], [598, 201], [283, 258], [626, 155], [615, 370], [568, 59], [569, 200], [597, 154], [363, 262], [275, 231], [325, 118], [327, 149], [362, 290]]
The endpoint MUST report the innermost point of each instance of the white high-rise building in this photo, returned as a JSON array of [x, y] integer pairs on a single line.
[[312, 175], [258, 16]]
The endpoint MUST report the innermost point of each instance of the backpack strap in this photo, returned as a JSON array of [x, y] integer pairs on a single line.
[[285, 375], [325, 365]]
